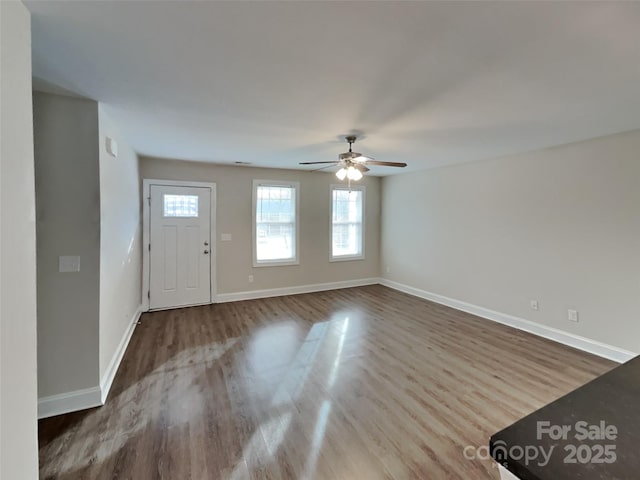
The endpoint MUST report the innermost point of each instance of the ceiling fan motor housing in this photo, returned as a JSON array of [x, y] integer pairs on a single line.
[[349, 156]]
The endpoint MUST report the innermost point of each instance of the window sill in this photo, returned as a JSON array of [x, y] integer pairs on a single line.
[[346, 258], [275, 263]]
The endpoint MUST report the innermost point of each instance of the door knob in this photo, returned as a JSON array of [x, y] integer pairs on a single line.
[[206, 252]]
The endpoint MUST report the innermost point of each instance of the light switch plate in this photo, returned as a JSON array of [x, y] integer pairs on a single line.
[[225, 237], [69, 263]]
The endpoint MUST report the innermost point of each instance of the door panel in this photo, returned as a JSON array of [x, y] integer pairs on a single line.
[[170, 239], [193, 256], [180, 238]]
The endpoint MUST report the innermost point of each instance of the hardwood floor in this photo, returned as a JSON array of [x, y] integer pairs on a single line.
[[361, 383]]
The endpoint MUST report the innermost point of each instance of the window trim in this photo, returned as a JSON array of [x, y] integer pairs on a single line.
[[347, 258], [275, 263]]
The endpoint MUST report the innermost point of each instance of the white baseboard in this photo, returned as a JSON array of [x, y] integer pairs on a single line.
[[581, 343], [109, 375], [89, 397], [278, 292], [69, 402]]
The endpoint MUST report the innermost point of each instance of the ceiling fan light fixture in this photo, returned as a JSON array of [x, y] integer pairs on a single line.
[[353, 173], [341, 174]]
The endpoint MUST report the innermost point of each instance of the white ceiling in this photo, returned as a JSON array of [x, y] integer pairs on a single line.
[[279, 83]]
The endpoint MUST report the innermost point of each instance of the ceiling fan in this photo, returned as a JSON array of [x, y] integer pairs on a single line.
[[353, 164]]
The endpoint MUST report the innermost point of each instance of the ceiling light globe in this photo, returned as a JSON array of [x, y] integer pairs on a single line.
[[341, 174], [354, 174]]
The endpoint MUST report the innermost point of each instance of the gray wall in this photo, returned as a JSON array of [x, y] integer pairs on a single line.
[[234, 204], [18, 389], [120, 237], [561, 226], [68, 223]]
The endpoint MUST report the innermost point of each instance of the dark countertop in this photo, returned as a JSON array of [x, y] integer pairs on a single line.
[[613, 398]]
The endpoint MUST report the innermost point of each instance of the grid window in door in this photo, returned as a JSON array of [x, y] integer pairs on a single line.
[[180, 205], [347, 225], [275, 209]]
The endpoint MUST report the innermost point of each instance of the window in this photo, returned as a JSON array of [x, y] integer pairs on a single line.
[[180, 205], [275, 221], [347, 223]]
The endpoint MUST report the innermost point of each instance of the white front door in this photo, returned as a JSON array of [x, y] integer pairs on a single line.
[[180, 246]]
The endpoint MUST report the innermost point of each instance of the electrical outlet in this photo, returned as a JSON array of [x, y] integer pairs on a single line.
[[534, 305], [388, 269], [572, 315], [250, 278]]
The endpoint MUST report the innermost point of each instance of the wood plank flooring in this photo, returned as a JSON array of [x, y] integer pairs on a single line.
[[361, 383]]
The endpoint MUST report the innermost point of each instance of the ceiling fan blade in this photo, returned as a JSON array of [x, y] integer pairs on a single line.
[[321, 168], [386, 164], [361, 167], [316, 163]]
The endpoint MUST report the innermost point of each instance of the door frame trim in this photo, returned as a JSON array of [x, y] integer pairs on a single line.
[[146, 232]]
